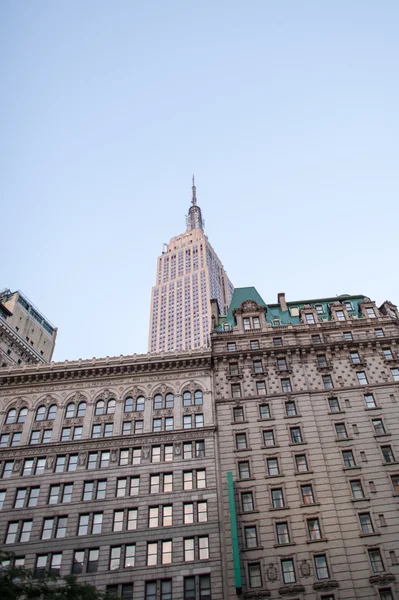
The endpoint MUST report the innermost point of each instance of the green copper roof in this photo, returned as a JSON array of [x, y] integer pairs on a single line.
[[239, 296], [277, 316]]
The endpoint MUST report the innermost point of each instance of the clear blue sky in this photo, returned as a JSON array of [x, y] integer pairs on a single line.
[[287, 113]]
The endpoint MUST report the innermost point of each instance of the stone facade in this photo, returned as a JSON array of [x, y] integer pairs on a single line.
[[113, 474], [26, 336], [308, 424]]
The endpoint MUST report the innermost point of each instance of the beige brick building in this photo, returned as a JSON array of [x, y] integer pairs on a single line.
[[307, 409]]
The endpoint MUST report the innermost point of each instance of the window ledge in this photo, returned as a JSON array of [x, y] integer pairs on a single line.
[[238, 422], [303, 472], [374, 533], [373, 408], [316, 541], [246, 479], [273, 508], [270, 447], [379, 435], [360, 499], [395, 495], [266, 420], [307, 505], [347, 439], [248, 449], [297, 443], [273, 476], [252, 548], [247, 512], [292, 416], [337, 412], [284, 545], [393, 462], [351, 468]]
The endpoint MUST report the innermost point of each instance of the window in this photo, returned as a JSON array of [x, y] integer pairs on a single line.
[[375, 560], [348, 305], [366, 523], [281, 364], [321, 567], [199, 420], [100, 408], [355, 358], [286, 385], [309, 318], [251, 537], [264, 411], [241, 441], [161, 483], [388, 354], [282, 533], [256, 322], [231, 347], [246, 322], [235, 390], [307, 494], [35, 437], [257, 366], [11, 416], [319, 309], [243, 470], [361, 378], [340, 431], [369, 400], [321, 360], [357, 489], [85, 560], [301, 463], [387, 454], [333, 404], [25, 531], [2, 498], [386, 594], [277, 341], [261, 388], [327, 382], [288, 571], [247, 501], [254, 575], [4, 439], [370, 313], [40, 413], [347, 335], [233, 369], [254, 344], [314, 529], [268, 437], [272, 467], [395, 374], [296, 435], [395, 483], [277, 498], [340, 315], [202, 583], [238, 414], [316, 339], [348, 457], [378, 425], [166, 552]]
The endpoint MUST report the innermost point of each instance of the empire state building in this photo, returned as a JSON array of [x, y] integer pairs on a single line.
[[189, 274]]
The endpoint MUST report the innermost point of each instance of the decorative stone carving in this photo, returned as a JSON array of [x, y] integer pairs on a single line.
[[271, 572], [50, 462], [305, 568], [146, 452], [82, 459], [382, 579], [326, 585], [177, 449], [288, 590], [114, 455]]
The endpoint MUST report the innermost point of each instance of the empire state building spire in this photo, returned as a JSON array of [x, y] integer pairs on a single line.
[[194, 218]]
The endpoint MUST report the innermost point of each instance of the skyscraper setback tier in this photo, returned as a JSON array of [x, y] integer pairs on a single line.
[[189, 275]]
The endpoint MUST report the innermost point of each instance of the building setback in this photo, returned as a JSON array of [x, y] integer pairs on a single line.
[[189, 274], [307, 410], [26, 336]]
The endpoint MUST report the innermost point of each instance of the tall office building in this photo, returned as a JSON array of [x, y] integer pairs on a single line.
[[26, 335], [307, 406], [189, 274]]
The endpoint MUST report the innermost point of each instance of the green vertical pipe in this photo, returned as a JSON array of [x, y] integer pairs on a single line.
[[234, 533]]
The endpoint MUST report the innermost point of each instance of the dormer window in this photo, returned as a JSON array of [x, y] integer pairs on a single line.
[[309, 318], [226, 327], [370, 313], [319, 309], [348, 305], [276, 321], [340, 315], [256, 322], [247, 323]]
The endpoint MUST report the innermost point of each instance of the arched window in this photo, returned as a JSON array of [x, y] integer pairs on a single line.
[[169, 400], [198, 397], [158, 401], [111, 407], [100, 407], [52, 411], [82, 409], [187, 399], [23, 413], [11, 415], [129, 404], [226, 327], [70, 411], [41, 413], [140, 403]]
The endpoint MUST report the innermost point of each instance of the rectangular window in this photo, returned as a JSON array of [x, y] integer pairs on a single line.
[[199, 420], [254, 575], [395, 374], [238, 414], [333, 404], [388, 354], [282, 533], [234, 369], [243, 470], [61, 528], [47, 530], [309, 318], [247, 323], [261, 388], [286, 385], [347, 335], [348, 457], [314, 529], [378, 425], [268, 437], [257, 366], [321, 567], [369, 401], [277, 498], [247, 502], [272, 467], [288, 571], [277, 341], [166, 552], [370, 313], [366, 524], [33, 496], [321, 360], [387, 454], [231, 347], [361, 378], [307, 494], [376, 563], [2, 498], [355, 357], [301, 463], [264, 411], [340, 315], [296, 435], [235, 390], [251, 537], [357, 489], [188, 547], [395, 483], [281, 364], [152, 553], [316, 339], [379, 332], [340, 431], [241, 441], [327, 382], [254, 344]]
